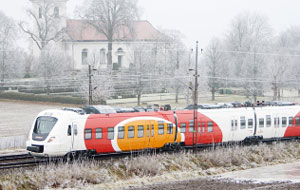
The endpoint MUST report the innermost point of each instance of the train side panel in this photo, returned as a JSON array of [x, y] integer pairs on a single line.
[[128, 132], [233, 122]]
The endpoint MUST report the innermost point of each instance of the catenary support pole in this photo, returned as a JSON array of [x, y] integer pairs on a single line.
[[195, 98]]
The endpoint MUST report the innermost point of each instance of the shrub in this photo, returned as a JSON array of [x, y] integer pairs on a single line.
[[41, 98], [208, 162]]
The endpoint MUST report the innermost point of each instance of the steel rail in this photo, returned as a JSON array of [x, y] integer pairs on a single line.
[[23, 164], [15, 157]]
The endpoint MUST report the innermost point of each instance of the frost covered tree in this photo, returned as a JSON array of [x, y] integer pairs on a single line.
[[109, 16], [292, 39], [8, 35], [176, 62], [214, 59], [142, 64], [45, 26], [102, 86], [279, 63], [247, 40], [53, 67]]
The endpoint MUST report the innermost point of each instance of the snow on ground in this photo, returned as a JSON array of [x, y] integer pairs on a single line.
[[280, 172], [268, 174], [16, 116]]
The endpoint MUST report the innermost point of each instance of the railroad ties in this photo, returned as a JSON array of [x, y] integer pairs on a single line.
[[15, 161]]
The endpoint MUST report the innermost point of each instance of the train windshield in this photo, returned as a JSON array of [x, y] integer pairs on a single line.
[[43, 126]]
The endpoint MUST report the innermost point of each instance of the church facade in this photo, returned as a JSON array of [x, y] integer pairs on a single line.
[[86, 46]]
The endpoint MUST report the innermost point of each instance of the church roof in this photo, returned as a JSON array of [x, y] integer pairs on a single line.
[[81, 30]]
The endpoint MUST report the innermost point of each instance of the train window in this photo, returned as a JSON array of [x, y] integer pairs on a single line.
[[182, 127], [268, 120], [121, 133], [191, 125], [140, 131], [170, 128], [250, 123], [199, 127], [261, 122], [203, 127], [209, 126], [69, 130], [110, 133], [291, 119], [130, 132], [161, 129], [152, 131], [98, 133], [242, 122], [276, 122], [297, 121], [88, 134], [283, 121], [148, 131]]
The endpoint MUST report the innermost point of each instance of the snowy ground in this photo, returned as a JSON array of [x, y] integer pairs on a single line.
[[282, 176], [281, 172], [16, 118]]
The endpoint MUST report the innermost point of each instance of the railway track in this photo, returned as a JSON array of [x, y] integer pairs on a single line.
[[19, 161], [25, 160]]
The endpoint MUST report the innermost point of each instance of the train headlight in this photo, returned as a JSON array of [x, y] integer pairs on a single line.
[[51, 139]]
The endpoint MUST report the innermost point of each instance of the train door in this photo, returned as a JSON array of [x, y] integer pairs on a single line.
[[74, 136], [276, 122], [152, 137], [148, 134], [233, 128]]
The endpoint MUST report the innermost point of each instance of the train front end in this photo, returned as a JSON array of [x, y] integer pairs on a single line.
[[44, 139]]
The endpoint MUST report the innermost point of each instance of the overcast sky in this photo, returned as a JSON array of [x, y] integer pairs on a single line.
[[197, 19]]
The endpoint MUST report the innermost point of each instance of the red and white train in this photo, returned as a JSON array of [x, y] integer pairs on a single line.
[[61, 132]]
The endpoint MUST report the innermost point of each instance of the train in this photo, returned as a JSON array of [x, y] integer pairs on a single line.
[[61, 133]]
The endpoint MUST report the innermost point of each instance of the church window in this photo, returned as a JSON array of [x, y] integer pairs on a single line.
[[56, 12], [84, 56], [102, 56], [40, 12], [120, 57]]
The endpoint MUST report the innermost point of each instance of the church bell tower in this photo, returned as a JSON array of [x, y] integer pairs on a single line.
[[54, 8]]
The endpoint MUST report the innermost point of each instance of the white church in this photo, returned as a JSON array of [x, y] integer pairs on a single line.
[[83, 44]]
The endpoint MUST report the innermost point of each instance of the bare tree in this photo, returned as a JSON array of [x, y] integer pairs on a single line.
[[290, 43], [53, 66], [102, 86], [108, 17], [279, 64], [248, 38], [46, 26], [176, 61], [214, 60], [142, 65], [8, 34]]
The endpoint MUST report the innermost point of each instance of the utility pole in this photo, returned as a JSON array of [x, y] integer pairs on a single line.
[[90, 86], [195, 98]]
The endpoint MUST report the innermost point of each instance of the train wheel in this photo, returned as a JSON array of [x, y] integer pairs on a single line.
[[69, 157]]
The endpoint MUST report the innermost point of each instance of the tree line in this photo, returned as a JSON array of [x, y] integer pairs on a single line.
[[249, 56], [253, 57]]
